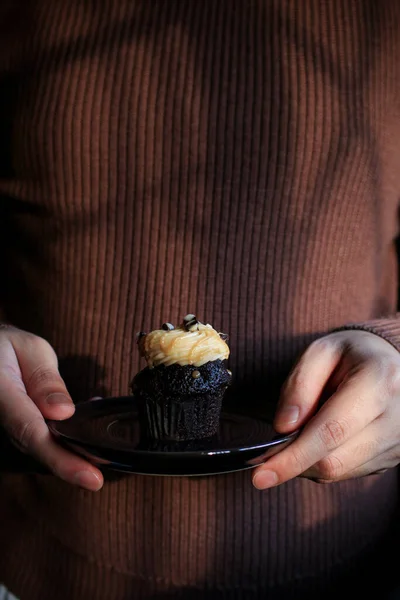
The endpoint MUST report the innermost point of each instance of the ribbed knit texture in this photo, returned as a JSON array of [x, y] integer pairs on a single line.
[[235, 159]]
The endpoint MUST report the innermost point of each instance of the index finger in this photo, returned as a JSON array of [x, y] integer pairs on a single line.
[[345, 414], [28, 431], [33, 361]]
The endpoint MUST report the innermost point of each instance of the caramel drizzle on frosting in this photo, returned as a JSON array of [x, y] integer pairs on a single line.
[[192, 343]]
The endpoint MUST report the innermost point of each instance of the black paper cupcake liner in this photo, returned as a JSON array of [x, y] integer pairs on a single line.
[[192, 419]]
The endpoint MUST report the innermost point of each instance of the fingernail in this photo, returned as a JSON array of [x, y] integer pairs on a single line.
[[88, 480], [288, 415], [58, 398], [265, 479]]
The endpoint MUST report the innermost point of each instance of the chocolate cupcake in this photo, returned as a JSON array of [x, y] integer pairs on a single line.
[[180, 392]]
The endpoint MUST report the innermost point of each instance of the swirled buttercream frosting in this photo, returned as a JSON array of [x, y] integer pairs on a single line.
[[192, 343]]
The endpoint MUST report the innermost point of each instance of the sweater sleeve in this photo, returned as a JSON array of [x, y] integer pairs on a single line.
[[387, 328]]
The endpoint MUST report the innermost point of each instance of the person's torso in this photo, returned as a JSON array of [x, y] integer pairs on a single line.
[[238, 160]]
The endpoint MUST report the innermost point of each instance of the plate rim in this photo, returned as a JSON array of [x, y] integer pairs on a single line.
[[53, 427]]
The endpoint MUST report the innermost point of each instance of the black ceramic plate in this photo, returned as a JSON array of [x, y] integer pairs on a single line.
[[108, 433]]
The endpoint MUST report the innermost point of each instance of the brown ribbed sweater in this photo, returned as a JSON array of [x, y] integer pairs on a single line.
[[236, 159]]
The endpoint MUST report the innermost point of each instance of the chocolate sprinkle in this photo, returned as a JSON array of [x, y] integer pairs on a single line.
[[167, 326], [190, 321], [140, 335]]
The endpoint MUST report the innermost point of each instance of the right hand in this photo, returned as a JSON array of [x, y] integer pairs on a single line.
[[32, 390]]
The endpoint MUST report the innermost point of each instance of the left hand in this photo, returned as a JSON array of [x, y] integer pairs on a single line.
[[344, 393]]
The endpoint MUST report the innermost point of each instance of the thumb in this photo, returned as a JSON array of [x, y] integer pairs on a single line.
[[302, 390], [43, 383]]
